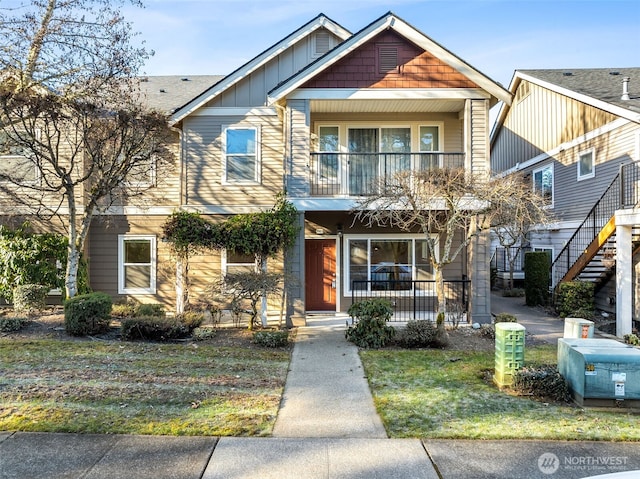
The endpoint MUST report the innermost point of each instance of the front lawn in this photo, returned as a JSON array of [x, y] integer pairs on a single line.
[[139, 388], [445, 394]]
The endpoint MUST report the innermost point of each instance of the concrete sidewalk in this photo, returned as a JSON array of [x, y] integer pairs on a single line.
[[327, 428]]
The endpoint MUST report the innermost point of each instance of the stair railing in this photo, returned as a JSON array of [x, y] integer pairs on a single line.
[[622, 192]]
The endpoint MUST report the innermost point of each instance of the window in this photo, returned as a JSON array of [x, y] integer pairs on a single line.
[[233, 262], [429, 142], [136, 264], [328, 162], [586, 164], [241, 155], [142, 173], [16, 164], [386, 262], [543, 183]]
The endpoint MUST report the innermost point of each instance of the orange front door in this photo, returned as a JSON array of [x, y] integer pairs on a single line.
[[320, 280]]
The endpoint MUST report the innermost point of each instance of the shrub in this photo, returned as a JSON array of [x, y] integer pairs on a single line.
[[124, 310], [271, 339], [631, 339], [153, 328], [12, 323], [87, 314], [417, 334], [513, 293], [488, 331], [543, 381], [575, 296], [371, 330], [202, 334], [536, 277], [505, 318], [191, 319], [30, 297], [150, 309]]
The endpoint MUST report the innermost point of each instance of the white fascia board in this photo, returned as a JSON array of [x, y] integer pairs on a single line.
[[256, 63], [338, 53], [410, 34], [628, 217], [388, 94], [232, 111], [454, 61], [586, 99], [620, 122], [323, 204]]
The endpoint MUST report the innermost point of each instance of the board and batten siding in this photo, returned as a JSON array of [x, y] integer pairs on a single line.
[[204, 162], [251, 91], [298, 148], [573, 199], [539, 120]]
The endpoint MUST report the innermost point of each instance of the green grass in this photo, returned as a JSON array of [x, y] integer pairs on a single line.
[[445, 394], [139, 388]]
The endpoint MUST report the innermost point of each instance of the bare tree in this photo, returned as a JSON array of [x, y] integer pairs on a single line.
[[73, 125], [518, 214], [449, 206]]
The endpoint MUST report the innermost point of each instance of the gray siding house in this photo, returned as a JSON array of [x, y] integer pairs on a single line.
[[576, 134]]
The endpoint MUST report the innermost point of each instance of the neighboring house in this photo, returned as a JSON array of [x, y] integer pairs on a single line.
[[571, 131], [320, 114]]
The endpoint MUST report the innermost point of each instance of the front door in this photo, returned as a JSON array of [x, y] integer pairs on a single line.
[[320, 280]]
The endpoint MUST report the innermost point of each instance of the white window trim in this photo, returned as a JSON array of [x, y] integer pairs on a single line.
[[400, 237], [591, 151], [553, 181], [257, 174], [224, 263], [152, 281], [638, 146]]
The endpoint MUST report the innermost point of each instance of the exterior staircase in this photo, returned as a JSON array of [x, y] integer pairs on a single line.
[[590, 253]]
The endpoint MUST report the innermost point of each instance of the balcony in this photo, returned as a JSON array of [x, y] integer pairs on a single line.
[[357, 174]]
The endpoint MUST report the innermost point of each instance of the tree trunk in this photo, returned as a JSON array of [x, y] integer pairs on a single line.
[[263, 312], [442, 338], [182, 284]]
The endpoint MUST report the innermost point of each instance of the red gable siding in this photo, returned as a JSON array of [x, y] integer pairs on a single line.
[[418, 69]]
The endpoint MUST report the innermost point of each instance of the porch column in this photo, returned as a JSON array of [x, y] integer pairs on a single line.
[[624, 270], [480, 276], [295, 274]]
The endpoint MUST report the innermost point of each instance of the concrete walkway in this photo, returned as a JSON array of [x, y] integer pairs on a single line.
[[327, 394], [327, 428]]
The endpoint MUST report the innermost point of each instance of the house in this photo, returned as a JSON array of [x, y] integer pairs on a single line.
[[320, 114], [576, 134]]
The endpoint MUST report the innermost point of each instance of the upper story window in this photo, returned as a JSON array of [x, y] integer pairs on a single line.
[[241, 155], [543, 183], [142, 173], [16, 164], [586, 164], [136, 264]]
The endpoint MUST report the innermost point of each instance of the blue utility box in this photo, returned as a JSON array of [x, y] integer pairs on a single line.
[[600, 372]]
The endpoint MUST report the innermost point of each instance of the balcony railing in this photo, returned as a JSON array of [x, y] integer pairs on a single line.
[[358, 174]]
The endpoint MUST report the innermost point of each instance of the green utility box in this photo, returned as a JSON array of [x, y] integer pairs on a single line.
[[509, 352]]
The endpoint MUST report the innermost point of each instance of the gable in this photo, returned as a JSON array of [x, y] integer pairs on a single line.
[[390, 61]]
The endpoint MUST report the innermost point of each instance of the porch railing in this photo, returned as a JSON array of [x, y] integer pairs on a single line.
[[415, 299], [500, 259], [358, 174]]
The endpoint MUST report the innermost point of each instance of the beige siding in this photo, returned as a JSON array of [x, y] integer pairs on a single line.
[[479, 136], [538, 121], [204, 162]]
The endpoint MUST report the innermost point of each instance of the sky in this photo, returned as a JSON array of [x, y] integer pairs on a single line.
[[215, 37]]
